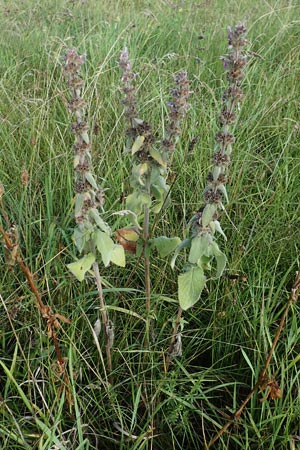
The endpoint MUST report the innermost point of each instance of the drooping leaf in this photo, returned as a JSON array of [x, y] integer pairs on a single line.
[[220, 258], [128, 237], [95, 215], [136, 202], [216, 172], [190, 286], [208, 214], [105, 246], [183, 244], [137, 144], [138, 121], [222, 189], [80, 267], [165, 245], [80, 238], [128, 233], [118, 256], [85, 137], [90, 179], [157, 157], [219, 229], [200, 246]]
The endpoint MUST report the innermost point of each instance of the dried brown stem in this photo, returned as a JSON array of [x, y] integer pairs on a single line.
[[45, 310], [262, 376], [173, 339]]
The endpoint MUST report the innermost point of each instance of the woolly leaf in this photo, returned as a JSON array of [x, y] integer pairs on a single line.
[[76, 161], [79, 204], [137, 144], [223, 190], [118, 256], [80, 238], [183, 244], [94, 214], [219, 229], [105, 246], [91, 180], [190, 286], [220, 258], [200, 247], [165, 245], [138, 171], [136, 202], [157, 157], [208, 214], [80, 267]]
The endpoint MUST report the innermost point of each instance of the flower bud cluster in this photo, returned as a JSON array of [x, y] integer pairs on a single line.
[[89, 196], [178, 108], [128, 87], [234, 63]]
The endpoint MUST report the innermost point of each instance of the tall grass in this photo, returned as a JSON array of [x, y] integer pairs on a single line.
[[228, 334]]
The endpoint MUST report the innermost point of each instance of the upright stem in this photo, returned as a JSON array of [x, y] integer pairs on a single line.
[[173, 339], [104, 315], [146, 225]]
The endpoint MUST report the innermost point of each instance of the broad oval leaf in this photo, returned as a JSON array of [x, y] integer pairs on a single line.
[[200, 246], [165, 245], [80, 267], [105, 246], [118, 256], [190, 286]]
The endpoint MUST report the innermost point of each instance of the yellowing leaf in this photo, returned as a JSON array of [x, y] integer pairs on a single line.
[[118, 256], [80, 267], [104, 245]]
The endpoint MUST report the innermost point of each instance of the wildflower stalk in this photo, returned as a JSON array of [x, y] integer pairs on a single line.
[[202, 244], [149, 169], [91, 234]]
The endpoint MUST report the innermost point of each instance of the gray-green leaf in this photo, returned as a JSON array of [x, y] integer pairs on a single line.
[[80, 267], [165, 245], [190, 286]]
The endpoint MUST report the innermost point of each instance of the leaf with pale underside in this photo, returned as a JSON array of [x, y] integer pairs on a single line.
[[190, 286], [105, 246], [138, 143], [164, 245]]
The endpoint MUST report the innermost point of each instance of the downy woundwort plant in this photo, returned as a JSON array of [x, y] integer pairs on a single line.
[[203, 247], [91, 234], [150, 158]]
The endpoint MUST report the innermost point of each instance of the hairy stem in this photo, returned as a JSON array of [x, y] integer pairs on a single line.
[[104, 315]]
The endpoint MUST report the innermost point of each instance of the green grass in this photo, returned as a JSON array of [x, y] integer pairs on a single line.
[[228, 334]]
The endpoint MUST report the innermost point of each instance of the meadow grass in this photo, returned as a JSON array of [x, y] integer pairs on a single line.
[[228, 334]]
